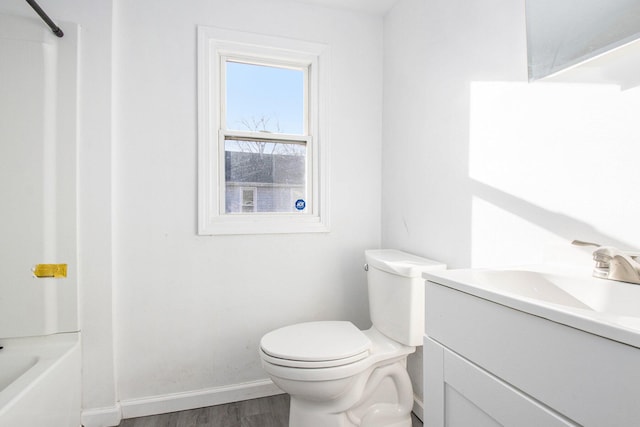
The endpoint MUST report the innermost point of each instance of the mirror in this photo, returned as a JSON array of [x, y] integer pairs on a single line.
[[563, 33]]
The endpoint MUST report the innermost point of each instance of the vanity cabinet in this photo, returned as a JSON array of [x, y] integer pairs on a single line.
[[487, 364]]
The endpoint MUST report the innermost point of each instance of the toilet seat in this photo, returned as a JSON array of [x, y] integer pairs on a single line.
[[313, 365], [315, 345]]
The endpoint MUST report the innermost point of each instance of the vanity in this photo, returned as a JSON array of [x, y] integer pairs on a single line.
[[538, 346]]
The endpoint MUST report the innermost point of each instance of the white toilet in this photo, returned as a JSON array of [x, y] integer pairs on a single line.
[[340, 376]]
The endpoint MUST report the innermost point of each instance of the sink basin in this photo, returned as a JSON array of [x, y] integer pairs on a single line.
[[564, 294], [614, 298]]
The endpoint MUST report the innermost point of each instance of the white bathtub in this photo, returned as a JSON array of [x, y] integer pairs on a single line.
[[40, 381]]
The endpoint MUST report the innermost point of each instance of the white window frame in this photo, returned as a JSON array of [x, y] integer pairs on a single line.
[[215, 44]]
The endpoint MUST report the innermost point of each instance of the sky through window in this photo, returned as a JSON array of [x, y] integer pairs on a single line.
[[264, 98]]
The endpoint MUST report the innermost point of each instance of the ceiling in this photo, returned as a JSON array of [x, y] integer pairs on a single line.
[[376, 7]]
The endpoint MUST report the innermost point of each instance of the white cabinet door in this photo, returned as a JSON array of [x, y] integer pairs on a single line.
[[460, 394]]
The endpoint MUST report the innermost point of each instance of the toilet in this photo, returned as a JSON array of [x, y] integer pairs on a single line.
[[340, 376]]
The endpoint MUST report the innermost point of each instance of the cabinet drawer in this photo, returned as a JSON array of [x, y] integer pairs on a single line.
[[462, 394], [589, 379]]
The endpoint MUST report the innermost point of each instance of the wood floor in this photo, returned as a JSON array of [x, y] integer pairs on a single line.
[[270, 411]]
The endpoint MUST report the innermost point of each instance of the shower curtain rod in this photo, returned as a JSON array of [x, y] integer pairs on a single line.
[[56, 30]]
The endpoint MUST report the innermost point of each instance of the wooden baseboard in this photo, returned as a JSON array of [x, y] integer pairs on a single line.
[[418, 407]]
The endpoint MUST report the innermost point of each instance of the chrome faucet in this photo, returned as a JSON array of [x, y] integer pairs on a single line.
[[613, 263]]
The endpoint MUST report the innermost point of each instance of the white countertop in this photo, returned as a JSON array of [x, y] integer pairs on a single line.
[[561, 293]]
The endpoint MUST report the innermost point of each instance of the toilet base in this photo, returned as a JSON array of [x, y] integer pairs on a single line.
[[384, 398], [303, 417]]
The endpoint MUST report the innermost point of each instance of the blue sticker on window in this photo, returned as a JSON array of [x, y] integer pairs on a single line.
[[301, 204]]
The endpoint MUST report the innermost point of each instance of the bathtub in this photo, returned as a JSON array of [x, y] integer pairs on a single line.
[[40, 381]]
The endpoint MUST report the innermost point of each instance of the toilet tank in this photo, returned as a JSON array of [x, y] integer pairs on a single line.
[[396, 293]]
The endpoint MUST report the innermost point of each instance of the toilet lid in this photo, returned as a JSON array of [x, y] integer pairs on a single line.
[[317, 342]]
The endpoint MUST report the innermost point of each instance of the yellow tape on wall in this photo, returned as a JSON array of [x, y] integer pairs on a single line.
[[50, 270]]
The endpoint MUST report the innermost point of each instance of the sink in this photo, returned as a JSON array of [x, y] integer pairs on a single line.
[[607, 297], [565, 294]]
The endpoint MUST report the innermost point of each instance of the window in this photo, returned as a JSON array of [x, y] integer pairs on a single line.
[[265, 133], [262, 134]]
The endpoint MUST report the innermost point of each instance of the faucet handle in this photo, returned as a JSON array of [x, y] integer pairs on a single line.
[[633, 254]]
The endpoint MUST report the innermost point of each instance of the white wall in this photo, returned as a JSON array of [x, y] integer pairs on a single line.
[[481, 168], [190, 310]]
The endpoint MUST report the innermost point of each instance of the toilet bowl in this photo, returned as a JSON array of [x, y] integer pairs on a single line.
[[333, 388], [340, 376]]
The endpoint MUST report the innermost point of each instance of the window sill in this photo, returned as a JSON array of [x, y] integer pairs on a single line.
[[263, 224]]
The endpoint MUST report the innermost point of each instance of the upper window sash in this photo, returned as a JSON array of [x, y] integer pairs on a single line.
[[302, 65]]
